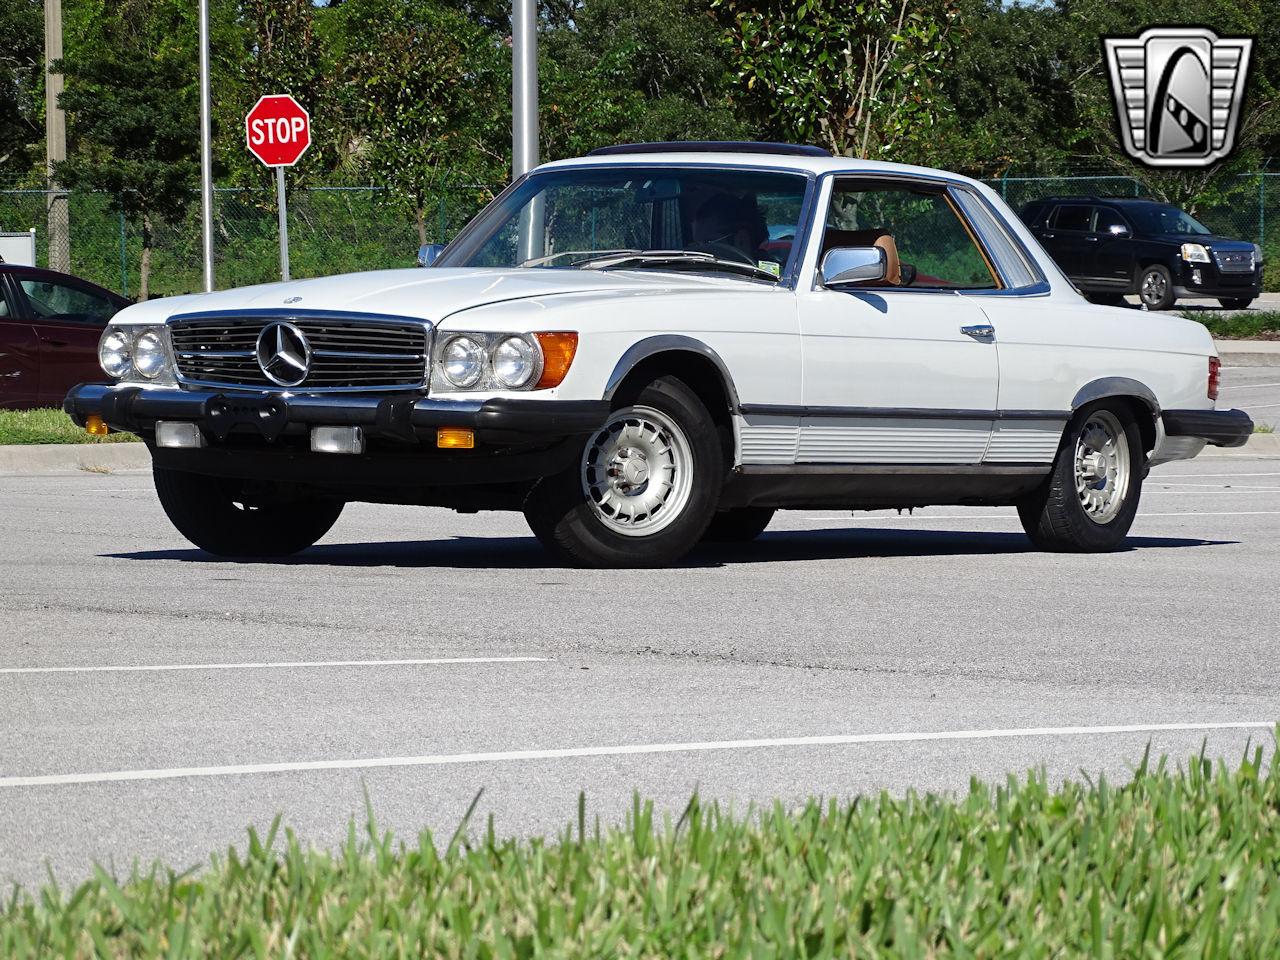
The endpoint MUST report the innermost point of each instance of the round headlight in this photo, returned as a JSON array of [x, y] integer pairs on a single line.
[[148, 355], [514, 362], [115, 353], [462, 362]]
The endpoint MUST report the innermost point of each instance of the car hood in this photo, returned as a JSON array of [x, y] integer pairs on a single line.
[[1212, 240], [428, 294]]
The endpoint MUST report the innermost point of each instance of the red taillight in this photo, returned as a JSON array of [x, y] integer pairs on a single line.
[[1215, 377]]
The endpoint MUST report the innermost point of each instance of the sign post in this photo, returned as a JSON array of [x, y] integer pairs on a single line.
[[278, 132]]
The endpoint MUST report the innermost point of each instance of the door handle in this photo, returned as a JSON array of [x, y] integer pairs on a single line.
[[979, 331], [55, 343]]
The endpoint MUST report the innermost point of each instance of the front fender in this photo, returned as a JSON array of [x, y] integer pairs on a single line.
[[668, 343]]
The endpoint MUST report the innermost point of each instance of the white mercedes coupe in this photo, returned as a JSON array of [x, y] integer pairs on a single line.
[[659, 344]]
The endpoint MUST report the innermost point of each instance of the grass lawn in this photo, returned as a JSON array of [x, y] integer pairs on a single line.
[[1250, 325], [48, 426], [1181, 862]]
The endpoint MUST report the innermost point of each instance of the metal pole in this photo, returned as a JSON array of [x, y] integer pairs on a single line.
[[124, 261], [284, 224], [206, 150], [524, 86], [55, 134]]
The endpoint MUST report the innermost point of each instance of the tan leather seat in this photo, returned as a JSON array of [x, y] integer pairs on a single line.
[[868, 238]]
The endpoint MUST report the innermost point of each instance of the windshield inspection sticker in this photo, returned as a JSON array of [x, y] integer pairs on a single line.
[[770, 266], [1178, 92]]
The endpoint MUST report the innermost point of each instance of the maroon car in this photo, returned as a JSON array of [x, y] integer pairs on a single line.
[[49, 328]]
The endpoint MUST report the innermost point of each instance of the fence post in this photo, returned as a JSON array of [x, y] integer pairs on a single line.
[[440, 236], [124, 260], [1262, 209]]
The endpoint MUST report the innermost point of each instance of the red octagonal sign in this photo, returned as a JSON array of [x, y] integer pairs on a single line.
[[278, 130]]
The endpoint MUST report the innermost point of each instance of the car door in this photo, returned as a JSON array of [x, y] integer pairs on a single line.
[[68, 317], [19, 352], [899, 372], [1069, 238], [1113, 260]]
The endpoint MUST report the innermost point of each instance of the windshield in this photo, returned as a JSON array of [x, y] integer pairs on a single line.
[[585, 218], [1166, 219]]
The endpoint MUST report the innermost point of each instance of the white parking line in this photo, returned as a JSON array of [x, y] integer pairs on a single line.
[[273, 665], [446, 759], [1247, 386], [1221, 488], [1197, 476], [1008, 516]]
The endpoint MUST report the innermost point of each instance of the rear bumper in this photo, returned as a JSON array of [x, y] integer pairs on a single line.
[[1221, 428], [264, 436]]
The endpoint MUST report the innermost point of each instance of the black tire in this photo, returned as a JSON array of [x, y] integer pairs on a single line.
[[1155, 287], [569, 525], [1106, 299], [1235, 303], [212, 514], [741, 525], [1055, 517]]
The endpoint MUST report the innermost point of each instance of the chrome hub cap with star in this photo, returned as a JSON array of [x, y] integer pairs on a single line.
[[637, 471], [1102, 468]]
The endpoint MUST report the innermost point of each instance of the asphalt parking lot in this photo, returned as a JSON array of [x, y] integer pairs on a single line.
[[154, 702], [1252, 389]]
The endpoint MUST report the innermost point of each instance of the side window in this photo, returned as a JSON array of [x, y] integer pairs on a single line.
[[5, 311], [927, 244], [51, 300], [1073, 217], [1110, 221]]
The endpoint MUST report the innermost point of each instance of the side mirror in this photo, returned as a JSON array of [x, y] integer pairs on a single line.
[[845, 266], [429, 253], [1118, 230]]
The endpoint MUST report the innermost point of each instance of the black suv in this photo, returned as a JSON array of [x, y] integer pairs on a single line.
[[1112, 246]]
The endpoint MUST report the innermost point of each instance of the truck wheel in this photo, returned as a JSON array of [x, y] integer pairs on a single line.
[[644, 490], [1155, 288], [1088, 502], [738, 526], [212, 513], [1236, 303]]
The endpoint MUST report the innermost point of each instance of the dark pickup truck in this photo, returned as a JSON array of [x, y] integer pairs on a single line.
[[1113, 246]]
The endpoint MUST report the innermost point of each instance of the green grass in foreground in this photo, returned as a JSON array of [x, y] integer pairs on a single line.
[[48, 426], [1238, 326], [1177, 863]]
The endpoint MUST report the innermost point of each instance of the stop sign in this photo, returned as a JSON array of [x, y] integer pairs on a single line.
[[278, 130]]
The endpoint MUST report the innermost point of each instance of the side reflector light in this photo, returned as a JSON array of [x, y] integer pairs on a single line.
[[455, 438], [94, 426], [1215, 377], [557, 356]]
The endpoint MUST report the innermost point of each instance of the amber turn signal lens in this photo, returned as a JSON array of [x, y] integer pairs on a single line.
[[557, 355], [94, 426], [455, 438]]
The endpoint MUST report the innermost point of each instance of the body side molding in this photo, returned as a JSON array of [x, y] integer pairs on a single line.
[[898, 413]]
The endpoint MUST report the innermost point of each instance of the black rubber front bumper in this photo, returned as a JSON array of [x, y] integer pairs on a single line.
[[405, 417], [1221, 428]]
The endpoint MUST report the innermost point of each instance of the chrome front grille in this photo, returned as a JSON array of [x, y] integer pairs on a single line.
[[1234, 261], [347, 353]]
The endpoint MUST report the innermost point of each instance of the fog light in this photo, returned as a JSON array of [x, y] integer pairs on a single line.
[[94, 426], [175, 434], [337, 440], [455, 438]]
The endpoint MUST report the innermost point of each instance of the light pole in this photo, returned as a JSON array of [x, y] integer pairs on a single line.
[[206, 150], [524, 86], [55, 137]]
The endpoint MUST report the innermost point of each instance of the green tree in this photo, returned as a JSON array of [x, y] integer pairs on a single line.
[[21, 86], [422, 85], [859, 78], [130, 98]]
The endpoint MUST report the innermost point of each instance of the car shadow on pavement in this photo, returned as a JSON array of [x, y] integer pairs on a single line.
[[524, 553]]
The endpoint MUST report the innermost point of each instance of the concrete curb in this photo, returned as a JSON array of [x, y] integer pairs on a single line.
[[1249, 353], [1264, 445], [42, 459]]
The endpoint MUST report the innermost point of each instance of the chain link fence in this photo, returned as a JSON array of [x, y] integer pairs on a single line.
[[331, 230], [343, 229]]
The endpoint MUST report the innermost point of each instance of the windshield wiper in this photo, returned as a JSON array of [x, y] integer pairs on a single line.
[[675, 260]]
